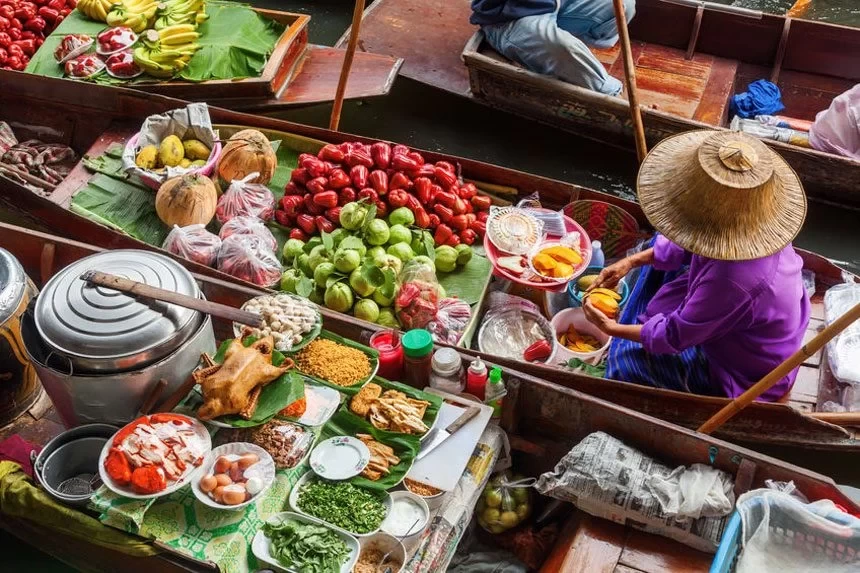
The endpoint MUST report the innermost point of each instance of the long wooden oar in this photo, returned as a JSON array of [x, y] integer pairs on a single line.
[[630, 76], [780, 371], [354, 30]]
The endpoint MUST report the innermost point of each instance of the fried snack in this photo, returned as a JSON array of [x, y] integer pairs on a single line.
[[381, 458], [334, 362], [234, 386], [394, 412], [360, 403]]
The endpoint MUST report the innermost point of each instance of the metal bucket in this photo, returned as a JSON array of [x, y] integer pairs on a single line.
[[110, 398], [19, 385]]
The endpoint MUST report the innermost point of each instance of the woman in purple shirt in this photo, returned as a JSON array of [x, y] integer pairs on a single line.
[[719, 301]]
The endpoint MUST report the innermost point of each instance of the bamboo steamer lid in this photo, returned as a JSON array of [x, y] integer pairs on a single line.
[[721, 194]]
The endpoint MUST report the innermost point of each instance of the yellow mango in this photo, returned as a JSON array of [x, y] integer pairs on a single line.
[[584, 282], [147, 157], [186, 163], [562, 270], [544, 263], [563, 254], [608, 292], [171, 151], [195, 149]]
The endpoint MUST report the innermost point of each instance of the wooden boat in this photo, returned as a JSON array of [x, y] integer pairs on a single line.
[[686, 72], [90, 118], [296, 73], [542, 419]]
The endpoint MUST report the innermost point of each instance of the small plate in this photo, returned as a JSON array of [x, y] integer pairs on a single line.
[[322, 403], [263, 469], [340, 458]]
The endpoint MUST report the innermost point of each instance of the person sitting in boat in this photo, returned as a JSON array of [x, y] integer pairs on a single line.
[[719, 300], [552, 36]]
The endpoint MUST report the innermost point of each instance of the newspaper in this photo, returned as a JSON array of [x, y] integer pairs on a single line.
[[608, 479]]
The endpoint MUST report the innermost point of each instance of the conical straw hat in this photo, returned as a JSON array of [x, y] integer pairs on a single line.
[[721, 194]]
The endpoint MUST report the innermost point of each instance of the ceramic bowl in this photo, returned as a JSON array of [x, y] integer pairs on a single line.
[[264, 469], [384, 543]]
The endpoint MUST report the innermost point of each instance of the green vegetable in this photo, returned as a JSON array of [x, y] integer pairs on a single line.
[[376, 255], [303, 264], [306, 547], [293, 248], [338, 297], [343, 505], [366, 309], [464, 254], [322, 273], [312, 242], [354, 243], [290, 279], [318, 255], [425, 260], [399, 234], [577, 364], [446, 258], [338, 235], [346, 260], [401, 216], [361, 282], [402, 251], [387, 318], [377, 232], [317, 296], [352, 216]]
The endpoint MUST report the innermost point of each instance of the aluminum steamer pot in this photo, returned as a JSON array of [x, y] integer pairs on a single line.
[[99, 351]]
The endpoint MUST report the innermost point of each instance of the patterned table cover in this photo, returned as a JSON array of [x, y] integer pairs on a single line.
[[224, 537]]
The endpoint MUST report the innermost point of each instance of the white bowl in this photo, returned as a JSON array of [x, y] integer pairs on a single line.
[[385, 543], [577, 269], [310, 475], [433, 501], [576, 317], [189, 476], [264, 469], [261, 545], [405, 496]]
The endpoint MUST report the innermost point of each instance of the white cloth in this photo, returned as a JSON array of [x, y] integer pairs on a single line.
[[694, 492], [837, 129]]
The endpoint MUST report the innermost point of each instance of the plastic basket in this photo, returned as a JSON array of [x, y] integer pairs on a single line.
[[788, 531]]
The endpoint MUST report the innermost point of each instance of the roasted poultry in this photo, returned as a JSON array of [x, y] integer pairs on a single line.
[[234, 386], [381, 458]]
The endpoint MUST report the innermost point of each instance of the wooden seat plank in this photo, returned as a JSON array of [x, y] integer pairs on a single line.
[[586, 543], [656, 554]]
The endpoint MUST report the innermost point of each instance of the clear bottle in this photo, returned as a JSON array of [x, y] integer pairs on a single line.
[[598, 259], [447, 374], [476, 379], [495, 392]]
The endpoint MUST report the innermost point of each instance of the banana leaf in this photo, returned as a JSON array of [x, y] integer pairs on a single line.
[[274, 397], [235, 43], [467, 282], [405, 447], [372, 355], [430, 413]]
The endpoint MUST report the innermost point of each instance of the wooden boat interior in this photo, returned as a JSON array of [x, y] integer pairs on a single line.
[[91, 118]]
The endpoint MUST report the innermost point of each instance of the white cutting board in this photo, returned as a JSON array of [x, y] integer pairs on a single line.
[[443, 467]]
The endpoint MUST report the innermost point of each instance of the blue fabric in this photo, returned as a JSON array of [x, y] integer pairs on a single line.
[[556, 43], [761, 98], [628, 361], [501, 11]]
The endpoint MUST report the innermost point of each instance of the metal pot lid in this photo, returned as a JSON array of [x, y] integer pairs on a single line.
[[83, 321], [13, 281]]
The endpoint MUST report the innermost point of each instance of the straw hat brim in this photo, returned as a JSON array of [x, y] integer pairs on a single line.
[[726, 219]]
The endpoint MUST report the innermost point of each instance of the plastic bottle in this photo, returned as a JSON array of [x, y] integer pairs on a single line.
[[597, 257], [447, 372], [476, 379], [418, 351], [495, 392]]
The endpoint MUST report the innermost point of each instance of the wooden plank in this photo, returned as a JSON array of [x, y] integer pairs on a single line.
[[816, 325], [428, 34], [714, 105], [805, 387], [828, 386], [656, 554], [586, 544], [626, 569]]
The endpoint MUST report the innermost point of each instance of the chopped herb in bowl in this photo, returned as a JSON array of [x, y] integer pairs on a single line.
[[306, 547], [344, 505]]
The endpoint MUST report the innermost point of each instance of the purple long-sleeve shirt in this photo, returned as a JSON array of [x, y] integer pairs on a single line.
[[746, 316]]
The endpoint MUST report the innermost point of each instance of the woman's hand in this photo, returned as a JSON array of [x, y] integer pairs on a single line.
[[604, 323], [609, 276]]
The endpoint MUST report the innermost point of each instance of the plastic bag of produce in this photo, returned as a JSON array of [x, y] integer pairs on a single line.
[[245, 198], [418, 295], [451, 319], [194, 243], [505, 502], [250, 259], [248, 225], [843, 352]]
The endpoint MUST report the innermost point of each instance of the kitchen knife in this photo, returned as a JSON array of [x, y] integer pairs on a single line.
[[441, 435]]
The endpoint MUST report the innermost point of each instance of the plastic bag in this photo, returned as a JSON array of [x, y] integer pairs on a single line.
[[505, 502], [418, 295], [694, 491], [194, 243], [249, 259], [773, 524], [248, 225], [843, 352], [451, 319], [245, 198], [510, 325]]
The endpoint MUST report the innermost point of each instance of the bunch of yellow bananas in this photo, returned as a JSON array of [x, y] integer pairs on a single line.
[[134, 14], [95, 9], [166, 52], [174, 12]]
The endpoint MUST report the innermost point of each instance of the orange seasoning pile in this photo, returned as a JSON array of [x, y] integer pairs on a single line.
[[334, 362]]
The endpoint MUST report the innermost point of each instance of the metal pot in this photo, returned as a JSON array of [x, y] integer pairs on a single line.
[[98, 352], [94, 329], [19, 386], [73, 455]]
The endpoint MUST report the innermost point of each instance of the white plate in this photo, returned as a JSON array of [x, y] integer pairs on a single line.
[[310, 475], [340, 458], [264, 469], [190, 473], [322, 403], [261, 545]]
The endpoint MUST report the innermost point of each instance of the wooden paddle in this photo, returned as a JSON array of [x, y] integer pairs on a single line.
[[334, 122], [630, 76], [780, 371]]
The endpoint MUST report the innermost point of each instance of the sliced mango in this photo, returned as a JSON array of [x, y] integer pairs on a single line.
[[608, 292], [562, 270], [544, 263], [563, 254]]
